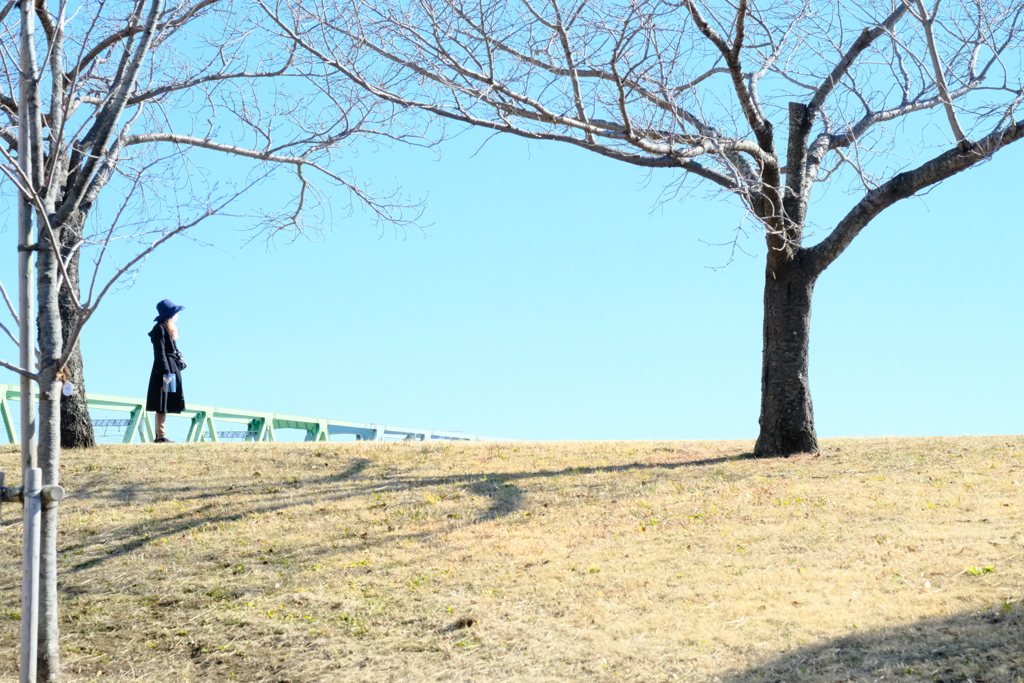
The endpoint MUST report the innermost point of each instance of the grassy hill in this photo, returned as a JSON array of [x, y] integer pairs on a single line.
[[653, 561]]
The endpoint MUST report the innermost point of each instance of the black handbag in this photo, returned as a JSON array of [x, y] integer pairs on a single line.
[[179, 359]]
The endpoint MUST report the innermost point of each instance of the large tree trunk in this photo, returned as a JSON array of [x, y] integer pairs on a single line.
[[50, 343], [75, 422], [787, 416]]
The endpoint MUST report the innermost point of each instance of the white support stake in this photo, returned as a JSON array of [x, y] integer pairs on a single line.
[[32, 494]]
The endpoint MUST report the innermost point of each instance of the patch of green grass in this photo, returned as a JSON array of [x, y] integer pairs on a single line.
[[979, 571]]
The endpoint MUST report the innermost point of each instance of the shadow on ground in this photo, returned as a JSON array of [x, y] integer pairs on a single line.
[[501, 488], [985, 646]]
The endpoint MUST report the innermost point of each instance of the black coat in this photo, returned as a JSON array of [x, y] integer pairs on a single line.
[[158, 399]]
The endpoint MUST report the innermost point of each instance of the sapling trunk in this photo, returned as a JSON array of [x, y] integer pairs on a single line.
[[50, 344]]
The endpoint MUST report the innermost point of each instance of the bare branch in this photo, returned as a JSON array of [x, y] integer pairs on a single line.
[[213, 78], [108, 118], [907, 184], [570, 63], [127, 32], [205, 143], [657, 154], [87, 313], [10, 306], [20, 371], [10, 334], [18, 177], [864, 40], [6, 9], [761, 126], [928, 22]]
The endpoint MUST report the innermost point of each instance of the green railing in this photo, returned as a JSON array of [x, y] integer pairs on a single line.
[[259, 426]]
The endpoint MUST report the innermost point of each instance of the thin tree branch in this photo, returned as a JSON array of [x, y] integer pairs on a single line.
[[10, 306], [24, 373], [761, 127], [175, 87], [10, 334], [6, 9], [128, 32], [86, 313], [664, 155], [864, 40], [108, 117], [928, 22], [570, 63], [21, 181]]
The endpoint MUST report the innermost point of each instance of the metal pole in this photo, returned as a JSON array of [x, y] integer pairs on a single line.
[[32, 493]]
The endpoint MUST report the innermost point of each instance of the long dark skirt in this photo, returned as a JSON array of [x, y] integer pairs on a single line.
[[158, 399]]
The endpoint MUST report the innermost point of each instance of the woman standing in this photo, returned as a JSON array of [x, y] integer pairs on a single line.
[[165, 394]]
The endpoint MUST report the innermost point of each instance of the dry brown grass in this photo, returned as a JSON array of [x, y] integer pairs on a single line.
[[654, 561]]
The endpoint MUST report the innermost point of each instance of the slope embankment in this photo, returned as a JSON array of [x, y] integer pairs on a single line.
[[534, 562]]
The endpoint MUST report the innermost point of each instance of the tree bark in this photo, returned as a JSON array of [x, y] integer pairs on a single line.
[[50, 341], [787, 414], [75, 422]]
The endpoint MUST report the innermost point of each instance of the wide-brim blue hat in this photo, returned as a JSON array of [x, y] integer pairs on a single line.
[[167, 309]]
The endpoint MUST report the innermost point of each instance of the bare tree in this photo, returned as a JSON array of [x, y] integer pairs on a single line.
[[218, 89], [114, 112], [764, 101]]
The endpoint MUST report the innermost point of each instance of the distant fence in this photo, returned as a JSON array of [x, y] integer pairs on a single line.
[[259, 426]]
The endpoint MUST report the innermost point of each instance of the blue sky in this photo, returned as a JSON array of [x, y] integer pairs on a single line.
[[551, 296]]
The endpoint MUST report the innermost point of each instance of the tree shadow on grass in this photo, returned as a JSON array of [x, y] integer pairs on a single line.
[[187, 520], [983, 646], [501, 488]]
